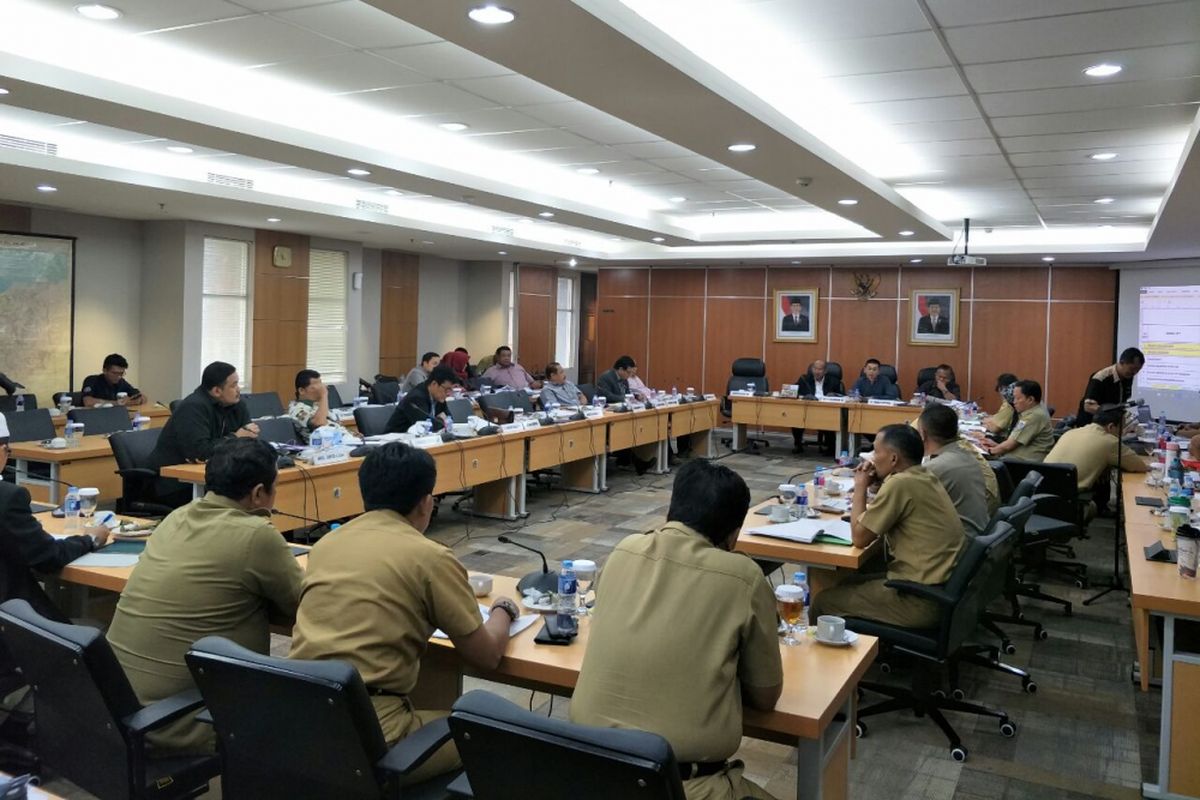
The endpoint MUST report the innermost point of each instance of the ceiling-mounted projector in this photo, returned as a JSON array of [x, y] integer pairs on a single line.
[[965, 260]]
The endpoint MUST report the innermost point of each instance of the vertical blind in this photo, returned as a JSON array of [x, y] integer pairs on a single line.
[[224, 312], [564, 330], [327, 314]]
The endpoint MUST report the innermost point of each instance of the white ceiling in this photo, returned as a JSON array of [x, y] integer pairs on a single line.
[[990, 96]]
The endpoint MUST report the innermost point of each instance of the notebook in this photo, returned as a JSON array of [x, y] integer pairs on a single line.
[[807, 531]]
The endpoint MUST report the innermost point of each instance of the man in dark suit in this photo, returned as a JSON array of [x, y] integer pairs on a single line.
[[25, 551], [818, 383], [934, 322], [426, 402], [796, 320]]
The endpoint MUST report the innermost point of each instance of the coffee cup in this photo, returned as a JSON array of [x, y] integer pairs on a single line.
[[122, 397], [1187, 550], [780, 513], [480, 584], [140, 422], [831, 628]]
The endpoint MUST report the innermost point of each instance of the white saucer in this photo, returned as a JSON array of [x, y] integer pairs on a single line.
[[541, 608], [851, 638]]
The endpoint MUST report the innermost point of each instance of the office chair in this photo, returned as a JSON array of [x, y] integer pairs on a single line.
[[924, 375], [588, 390], [335, 398], [90, 727], [384, 392], [311, 732], [9, 402], [1028, 488], [76, 398], [263, 404], [834, 369], [745, 371], [890, 372], [373, 420], [959, 602], [1004, 481], [1016, 514], [100, 421], [461, 409], [502, 745], [131, 450], [277, 430], [503, 401], [1060, 517], [174, 404], [30, 426]]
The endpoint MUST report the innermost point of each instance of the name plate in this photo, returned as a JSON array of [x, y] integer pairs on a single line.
[[879, 401], [331, 455], [426, 442], [591, 412], [531, 423], [838, 399], [637, 406], [740, 393], [512, 427], [709, 396]]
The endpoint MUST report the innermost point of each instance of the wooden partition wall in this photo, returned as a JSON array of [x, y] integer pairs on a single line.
[[401, 279], [535, 316], [685, 327], [279, 343]]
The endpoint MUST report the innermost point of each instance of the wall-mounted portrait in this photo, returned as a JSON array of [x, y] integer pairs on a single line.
[[933, 317], [796, 315]]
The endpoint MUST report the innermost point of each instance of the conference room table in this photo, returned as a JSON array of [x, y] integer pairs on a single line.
[[1157, 590], [843, 418], [90, 464], [157, 413]]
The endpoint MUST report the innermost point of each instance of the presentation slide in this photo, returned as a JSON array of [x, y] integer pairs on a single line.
[[1160, 315]]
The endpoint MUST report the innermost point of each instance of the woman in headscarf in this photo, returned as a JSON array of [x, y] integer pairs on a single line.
[[459, 360]]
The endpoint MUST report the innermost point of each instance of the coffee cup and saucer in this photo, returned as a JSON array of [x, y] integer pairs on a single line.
[[832, 631]]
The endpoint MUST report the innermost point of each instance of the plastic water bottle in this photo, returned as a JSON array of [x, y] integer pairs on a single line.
[[818, 486], [674, 392], [71, 510], [317, 439], [844, 458], [800, 578], [802, 501], [20, 401], [566, 588]]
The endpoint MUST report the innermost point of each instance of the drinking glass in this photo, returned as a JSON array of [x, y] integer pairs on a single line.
[[600, 401], [89, 498], [790, 601], [585, 573]]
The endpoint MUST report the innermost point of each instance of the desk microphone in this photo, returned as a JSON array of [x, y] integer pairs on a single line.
[[276, 511], [544, 581]]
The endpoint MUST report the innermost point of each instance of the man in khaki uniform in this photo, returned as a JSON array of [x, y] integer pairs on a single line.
[[376, 589], [1033, 435], [1001, 422], [684, 633], [954, 467], [215, 567], [991, 486], [918, 522], [1094, 448]]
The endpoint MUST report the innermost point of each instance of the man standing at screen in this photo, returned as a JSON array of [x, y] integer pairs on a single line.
[[1112, 385]]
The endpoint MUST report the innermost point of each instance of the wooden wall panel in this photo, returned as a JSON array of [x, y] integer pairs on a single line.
[[279, 336], [915, 357], [622, 329], [862, 329], [786, 361], [15, 219], [624, 283], [676, 355], [677, 282], [400, 287], [1009, 337], [1012, 283], [535, 317], [734, 329], [1096, 283], [736, 282], [1081, 342]]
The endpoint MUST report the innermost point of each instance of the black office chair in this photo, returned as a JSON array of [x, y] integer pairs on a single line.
[[924, 375], [502, 745], [373, 420], [335, 397], [174, 404], [76, 398], [90, 727], [1016, 514], [588, 390], [311, 732], [502, 401], [277, 430], [263, 404], [384, 392], [744, 373], [101, 421], [8, 402], [1004, 481], [834, 369], [1061, 516], [890, 372], [131, 450], [461, 409], [30, 426], [959, 601]]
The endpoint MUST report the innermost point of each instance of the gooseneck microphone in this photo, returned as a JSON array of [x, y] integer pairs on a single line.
[[544, 581]]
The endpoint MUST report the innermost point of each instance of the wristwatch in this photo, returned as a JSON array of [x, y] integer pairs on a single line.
[[508, 606]]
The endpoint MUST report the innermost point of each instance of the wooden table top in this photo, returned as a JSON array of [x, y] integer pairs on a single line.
[[1156, 586], [90, 447], [830, 555]]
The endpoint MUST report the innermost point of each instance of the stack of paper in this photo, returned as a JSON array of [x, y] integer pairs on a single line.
[[806, 530]]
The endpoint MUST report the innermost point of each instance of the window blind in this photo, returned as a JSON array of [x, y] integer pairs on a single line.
[[327, 328], [224, 303], [564, 330]]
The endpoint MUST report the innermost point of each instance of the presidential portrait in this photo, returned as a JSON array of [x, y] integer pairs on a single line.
[[796, 315], [934, 317]]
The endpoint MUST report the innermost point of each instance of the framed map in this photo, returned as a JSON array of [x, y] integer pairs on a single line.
[[37, 293]]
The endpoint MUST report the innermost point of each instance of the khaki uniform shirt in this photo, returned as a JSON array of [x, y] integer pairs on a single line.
[[990, 485], [374, 591], [962, 480], [209, 569], [1003, 418], [1034, 435], [680, 625], [1092, 450], [918, 521]]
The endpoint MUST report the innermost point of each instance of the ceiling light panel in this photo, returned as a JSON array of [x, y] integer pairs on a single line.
[[356, 24], [247, 41]]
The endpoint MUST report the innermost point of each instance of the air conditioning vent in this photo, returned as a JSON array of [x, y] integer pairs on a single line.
[[367, 205], [10, 142], [230, 180]]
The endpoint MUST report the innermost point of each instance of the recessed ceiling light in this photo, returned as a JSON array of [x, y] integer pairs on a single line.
[[677, 199], [915, 260], [502, 252], [426, 241], [394, 193], [1102, 156], [795, 262], [546, 214], [47, 188], [906, 233], [1104, 200], [97, 11], [572, 263], [180, 149], [588, 171], [847, 201], [1047, 259], [742, 147], [454, 127], [274, 219], [358, 172], [491, 15], [1102, 70], [658, 239]]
